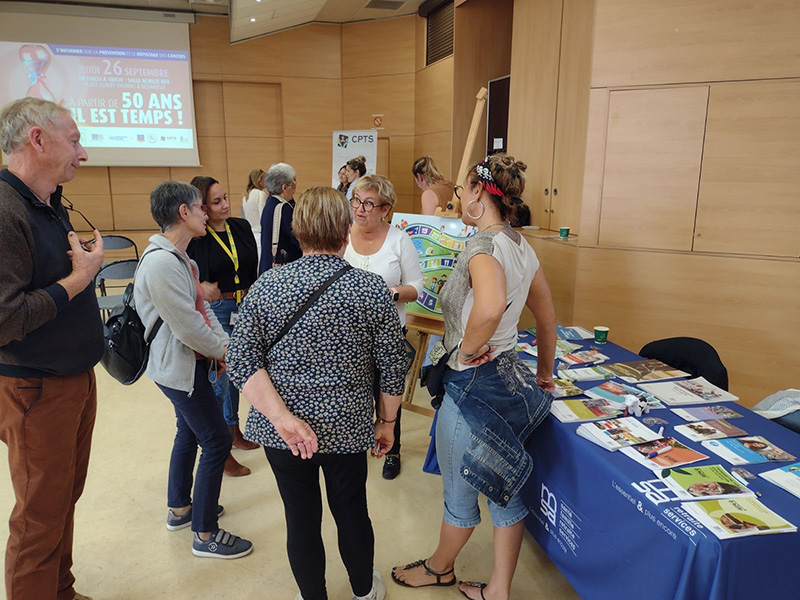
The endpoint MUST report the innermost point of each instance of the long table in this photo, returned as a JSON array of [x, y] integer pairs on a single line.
[[609, 529]]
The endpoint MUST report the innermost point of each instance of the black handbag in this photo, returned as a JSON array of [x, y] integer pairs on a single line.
[[126, 350], [432, 376]]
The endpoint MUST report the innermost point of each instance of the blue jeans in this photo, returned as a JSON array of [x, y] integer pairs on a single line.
[[227, 395], [460, 498], [199, 422]]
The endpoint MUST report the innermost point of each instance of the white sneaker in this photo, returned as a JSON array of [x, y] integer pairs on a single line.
[[378, 591]]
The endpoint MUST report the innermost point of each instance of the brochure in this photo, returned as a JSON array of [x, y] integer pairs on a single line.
[[568, 333], [709, 430], [737, 517], [704, 413], [670, 454], [526, 348], [712, 481], [689, 391], [787, 477], [577, 411], [614, 434], [584, 356], [565, 389], [585, 374], [748, 450], [644, 370], [616, 392]]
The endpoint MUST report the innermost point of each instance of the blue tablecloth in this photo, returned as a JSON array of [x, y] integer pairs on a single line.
[[600, 518]]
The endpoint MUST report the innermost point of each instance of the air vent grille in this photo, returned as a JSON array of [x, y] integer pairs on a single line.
[[386, 4], [439, 39]]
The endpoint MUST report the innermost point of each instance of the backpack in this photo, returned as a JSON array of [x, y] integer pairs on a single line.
[[126, 350]]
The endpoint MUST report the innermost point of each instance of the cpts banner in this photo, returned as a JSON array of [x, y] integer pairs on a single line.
[[350, 144]]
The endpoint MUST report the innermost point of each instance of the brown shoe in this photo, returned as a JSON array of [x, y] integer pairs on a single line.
[[234, 469], [239, 441]]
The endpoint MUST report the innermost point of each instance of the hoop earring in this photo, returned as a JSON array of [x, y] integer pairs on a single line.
[[470, 215]]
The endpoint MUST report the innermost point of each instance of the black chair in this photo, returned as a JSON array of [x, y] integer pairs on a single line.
[[691, 355], [119, 270], [119, 242]]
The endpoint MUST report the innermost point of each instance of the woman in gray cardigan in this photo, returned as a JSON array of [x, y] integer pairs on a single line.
[[186, 354]]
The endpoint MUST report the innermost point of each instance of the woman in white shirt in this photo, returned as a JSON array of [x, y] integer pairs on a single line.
[[253, 203], [379, 248]]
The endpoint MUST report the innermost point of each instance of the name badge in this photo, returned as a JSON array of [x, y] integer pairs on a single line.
[[234, 317]]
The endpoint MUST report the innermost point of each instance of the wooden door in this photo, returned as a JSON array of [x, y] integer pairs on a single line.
[[652, 167], [750, 188]]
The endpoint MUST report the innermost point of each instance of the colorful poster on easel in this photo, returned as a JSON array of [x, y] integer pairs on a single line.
[[439, 241]]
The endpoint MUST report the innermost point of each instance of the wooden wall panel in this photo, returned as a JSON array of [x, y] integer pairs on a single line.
[[249, 153], [644, 296], [382, 166], [750, 185], [208, 40], [209, 112], [594, 166], [433, 98], [385, 47], [652, 169], [96, 207], [311, 107], [314, 50], [261, 56], [420, 29], [478, 58], [437, 146], [88, 180], [140, 238], [641, 42], [252, 109], [214, 161], [401, 154], [136, 180], [389, 95], [557, 260], [132, 211], [311, 158], [532, 97]]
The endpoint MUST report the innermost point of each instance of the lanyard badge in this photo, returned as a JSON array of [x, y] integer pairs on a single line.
[[232, 254]]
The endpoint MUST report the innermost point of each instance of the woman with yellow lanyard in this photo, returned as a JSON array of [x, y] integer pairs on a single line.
[[228, 261]]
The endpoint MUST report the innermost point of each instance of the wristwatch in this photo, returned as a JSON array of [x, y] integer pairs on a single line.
[[395, 294]]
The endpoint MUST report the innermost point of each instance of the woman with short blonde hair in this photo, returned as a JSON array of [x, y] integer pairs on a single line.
[[436, 190], [322, 221]]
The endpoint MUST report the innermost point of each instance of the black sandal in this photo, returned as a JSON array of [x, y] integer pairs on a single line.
[[475, 584], [421, 563]]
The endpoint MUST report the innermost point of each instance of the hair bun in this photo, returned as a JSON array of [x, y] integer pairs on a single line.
[[361, 159], [521, 166]]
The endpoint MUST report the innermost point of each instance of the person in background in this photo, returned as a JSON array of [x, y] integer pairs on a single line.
[[436, 190], [279, 246], [51, 336], [379, 248], [253, 202], [186, 353], [492, 402], [311, 390], [343, 183], [228, 262], [354, 168]]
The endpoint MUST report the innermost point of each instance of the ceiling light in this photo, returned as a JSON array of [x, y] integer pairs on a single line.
[[253, 20]]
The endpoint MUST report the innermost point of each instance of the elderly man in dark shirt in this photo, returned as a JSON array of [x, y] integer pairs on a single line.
[[51, 337]]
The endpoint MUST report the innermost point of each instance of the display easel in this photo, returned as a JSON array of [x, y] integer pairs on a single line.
[[454, 206], [421, 326]]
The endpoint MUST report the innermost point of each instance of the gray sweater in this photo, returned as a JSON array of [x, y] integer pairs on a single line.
[[164, 286]]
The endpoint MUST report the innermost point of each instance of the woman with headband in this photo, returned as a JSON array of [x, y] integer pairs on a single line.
[[492, 402]]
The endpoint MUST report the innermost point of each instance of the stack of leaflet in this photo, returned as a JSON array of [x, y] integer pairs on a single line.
[[564, 388], [704, 413], [614, 434], [666, 453], [712, 481], [585, 374], [583, 357], [644, 370], [562, 347], [615, 392], [581, 411], [787, 477], [568, 333], [737, 517], [748, 450], [715, 429], [688, 391]]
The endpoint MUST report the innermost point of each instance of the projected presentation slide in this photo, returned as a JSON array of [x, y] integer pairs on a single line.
[[119, 97]]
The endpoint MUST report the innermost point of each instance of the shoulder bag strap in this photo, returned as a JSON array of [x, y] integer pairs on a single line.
[[276, 229], [159, 320], [314, 297]]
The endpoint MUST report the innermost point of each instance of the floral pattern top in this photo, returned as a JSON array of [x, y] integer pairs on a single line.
[[323, 367]]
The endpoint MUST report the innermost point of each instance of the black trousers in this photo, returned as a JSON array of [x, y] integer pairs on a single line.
[[346, 488]]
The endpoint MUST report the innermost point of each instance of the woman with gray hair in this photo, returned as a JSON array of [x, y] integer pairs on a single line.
[[279, 246], [308, 340], [186, 356]]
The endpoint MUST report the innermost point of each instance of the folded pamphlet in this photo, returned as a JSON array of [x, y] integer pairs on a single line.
[[737, 517], [709, 430], [748, 450], [614, 434], [712, 481], [688, 391], [644, 370], [669, 453], [704, 413], [787, 477]]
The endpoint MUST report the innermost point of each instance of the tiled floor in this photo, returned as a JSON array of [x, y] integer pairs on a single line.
[[123, 550]]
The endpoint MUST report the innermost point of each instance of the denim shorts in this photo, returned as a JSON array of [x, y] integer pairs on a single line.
[[461, 499]]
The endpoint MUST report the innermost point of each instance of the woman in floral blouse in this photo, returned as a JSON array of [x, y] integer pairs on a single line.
[[311, 392]]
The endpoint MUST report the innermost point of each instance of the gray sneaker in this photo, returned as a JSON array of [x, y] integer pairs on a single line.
[[221, 544], [378, 591], [174, 522]]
